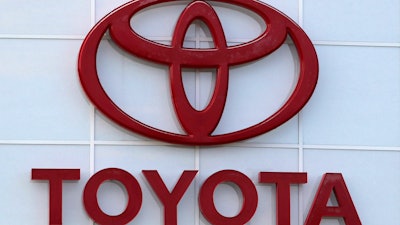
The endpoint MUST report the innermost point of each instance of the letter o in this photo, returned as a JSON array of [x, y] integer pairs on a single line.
[[134, 197], [249, 193]]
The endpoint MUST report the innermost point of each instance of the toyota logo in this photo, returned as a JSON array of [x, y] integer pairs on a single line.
[[198, 124]]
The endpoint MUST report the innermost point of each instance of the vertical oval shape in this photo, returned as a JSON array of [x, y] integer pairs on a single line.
[[199, 124]]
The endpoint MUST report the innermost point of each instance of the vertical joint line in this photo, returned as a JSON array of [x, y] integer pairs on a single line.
[[196, 186], [92, 12], [301, 168], [301, 144], [92, 109], [301, 13], [92, 128], [301, 141], [91, 146]]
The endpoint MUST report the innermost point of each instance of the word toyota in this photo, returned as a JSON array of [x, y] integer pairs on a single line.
[[330, 183]]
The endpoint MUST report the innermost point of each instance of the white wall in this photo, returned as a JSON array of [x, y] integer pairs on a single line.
[[351, 124]]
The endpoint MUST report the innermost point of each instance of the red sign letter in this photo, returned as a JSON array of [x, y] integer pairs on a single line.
[[345, 208], [55, 178], [282, 182], [249, 192], [170, 200], [132, 188]]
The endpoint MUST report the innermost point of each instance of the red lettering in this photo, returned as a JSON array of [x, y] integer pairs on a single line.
[[55, 178], [333, 182], [249, 193], [330, 183], [132, 188], [282, 182], [170, 200]]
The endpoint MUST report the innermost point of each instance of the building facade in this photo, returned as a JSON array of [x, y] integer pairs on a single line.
[[351, 124]]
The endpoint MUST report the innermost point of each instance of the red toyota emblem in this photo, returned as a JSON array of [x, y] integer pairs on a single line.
[[198, 124]]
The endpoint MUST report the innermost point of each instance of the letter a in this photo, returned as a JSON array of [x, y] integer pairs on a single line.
[[345, 209]]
